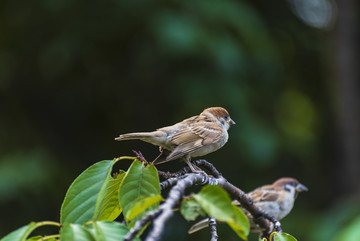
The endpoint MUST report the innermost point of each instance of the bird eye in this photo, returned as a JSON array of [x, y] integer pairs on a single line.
[[226, 117]]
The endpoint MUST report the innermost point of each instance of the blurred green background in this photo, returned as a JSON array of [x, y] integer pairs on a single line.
[[75, 74]]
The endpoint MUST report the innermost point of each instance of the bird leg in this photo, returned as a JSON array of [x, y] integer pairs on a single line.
[[161, 153], [193, 168]]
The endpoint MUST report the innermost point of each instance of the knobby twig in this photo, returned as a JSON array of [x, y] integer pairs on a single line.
[[210, 167], [207, 165], [179, 182], [168, 183], [175, 195], [213, 231], [141, 223], [167, 175], [172, 178], [165, 210], [259, 215]]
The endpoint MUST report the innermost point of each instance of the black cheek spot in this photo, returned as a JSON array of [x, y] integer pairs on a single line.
[[287, 189]]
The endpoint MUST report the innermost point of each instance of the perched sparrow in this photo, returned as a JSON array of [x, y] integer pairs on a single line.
[[276, 199], [196, 136]]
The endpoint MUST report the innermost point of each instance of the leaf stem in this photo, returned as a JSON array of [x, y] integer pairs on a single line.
[[89, 223], [272, 236], [51, 223], [124, 158], [50, 237]]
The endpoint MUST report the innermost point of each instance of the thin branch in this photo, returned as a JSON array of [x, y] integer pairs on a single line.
[[259, 215], [166, 175], [182, 180], [175, 195], [141, 223], [168, 183], [213, 230], [210, 167]]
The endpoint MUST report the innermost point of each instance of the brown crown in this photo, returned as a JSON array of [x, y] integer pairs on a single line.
[[285, 180], [217, 111]]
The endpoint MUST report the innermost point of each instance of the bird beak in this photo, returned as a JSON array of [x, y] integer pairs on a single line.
[[231, 122], [301, 188]]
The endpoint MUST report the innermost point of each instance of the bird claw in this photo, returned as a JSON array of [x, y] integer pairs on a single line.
[[194, 168], [200, 171]]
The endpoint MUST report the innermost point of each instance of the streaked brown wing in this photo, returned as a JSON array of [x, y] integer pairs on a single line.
[[184, 149], [184, 136], [193, 138], [264, 194], [210, 132], [269, 197]]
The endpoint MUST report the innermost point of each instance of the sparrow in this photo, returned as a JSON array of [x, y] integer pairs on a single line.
[[196, 136], [276, 199]]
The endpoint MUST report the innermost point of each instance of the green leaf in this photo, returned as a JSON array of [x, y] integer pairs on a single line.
[[110, 231], [20, 234], [139, 182], [191, 209], [108, 204], [75, 232], [142, 204], [217, 204], [282, 237], [351, 232], [80, 199]]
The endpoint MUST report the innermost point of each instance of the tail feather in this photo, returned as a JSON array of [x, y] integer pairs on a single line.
[[134, 136]]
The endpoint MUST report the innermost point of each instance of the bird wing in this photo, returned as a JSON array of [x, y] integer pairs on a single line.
[[210, 132], [264, 194], [193, 138]]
